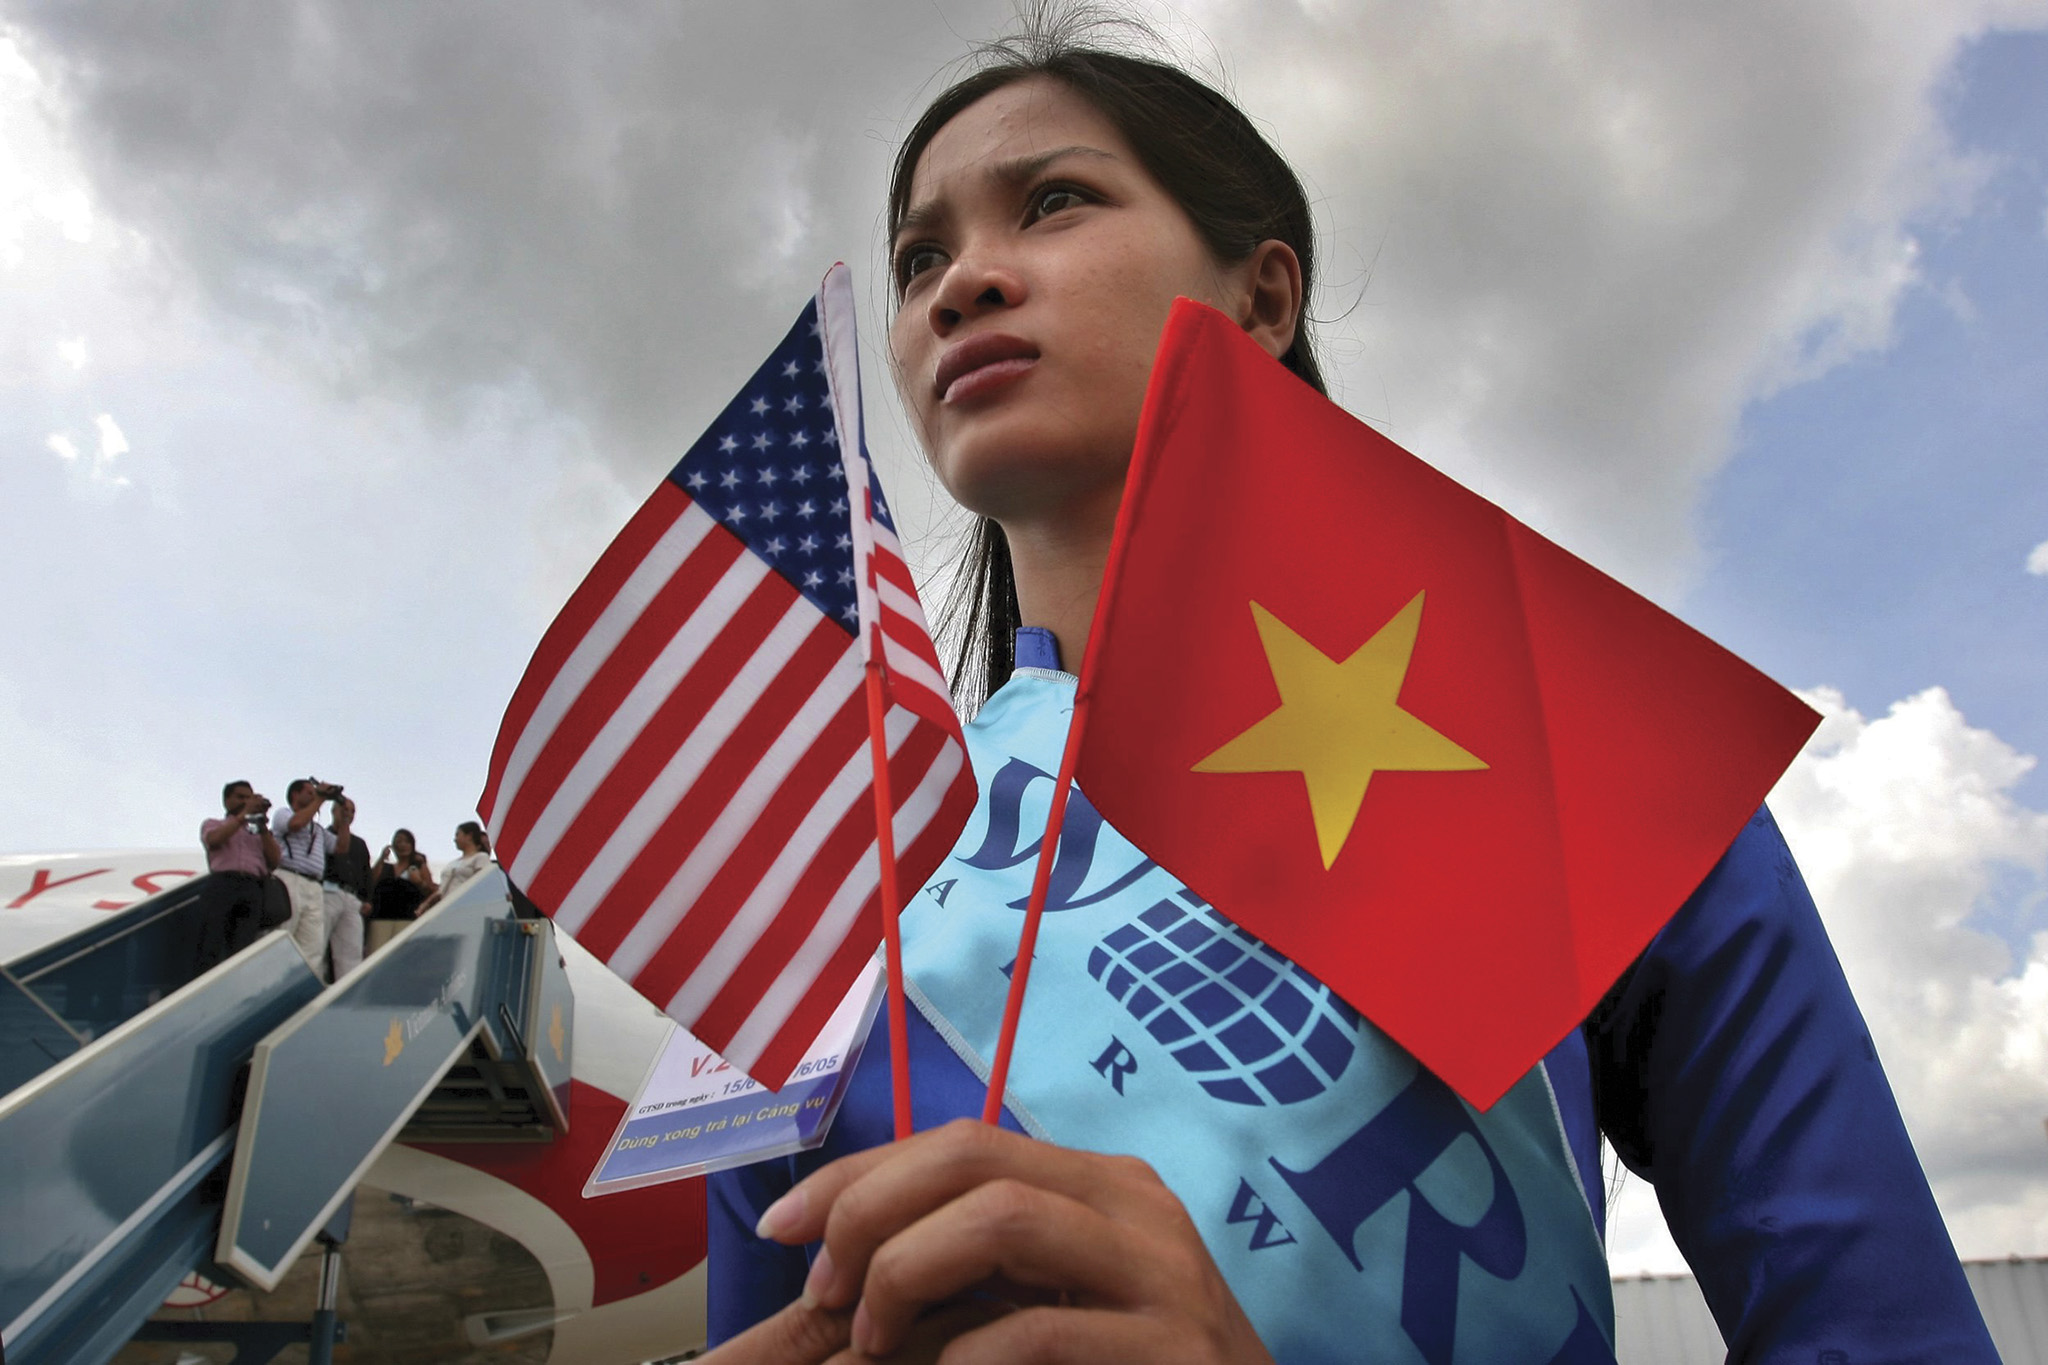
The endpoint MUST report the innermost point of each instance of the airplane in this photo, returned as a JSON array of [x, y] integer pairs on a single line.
[[465, 1243]]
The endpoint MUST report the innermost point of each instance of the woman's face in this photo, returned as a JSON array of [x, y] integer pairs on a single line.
[[401, 844], [1037, 264], [464, 843]]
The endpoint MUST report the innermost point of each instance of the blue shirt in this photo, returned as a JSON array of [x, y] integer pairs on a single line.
[[1730, 1067]]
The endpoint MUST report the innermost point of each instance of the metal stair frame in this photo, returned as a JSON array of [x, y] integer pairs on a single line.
[[468, 974], [114, 1153]]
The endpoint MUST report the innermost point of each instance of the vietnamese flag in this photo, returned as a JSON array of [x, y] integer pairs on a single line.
[[1453, 770]]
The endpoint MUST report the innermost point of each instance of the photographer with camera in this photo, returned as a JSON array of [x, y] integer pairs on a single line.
[[402, 881], [306, 845], [240, 853]]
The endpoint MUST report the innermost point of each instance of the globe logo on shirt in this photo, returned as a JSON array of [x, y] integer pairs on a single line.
[[1250, 1026]]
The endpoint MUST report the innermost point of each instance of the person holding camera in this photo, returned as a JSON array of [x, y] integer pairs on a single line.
[[240, 853], [403, 878], [402, 881], [305, 846]]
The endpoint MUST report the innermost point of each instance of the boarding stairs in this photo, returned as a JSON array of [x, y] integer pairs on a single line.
[[154, 1122]]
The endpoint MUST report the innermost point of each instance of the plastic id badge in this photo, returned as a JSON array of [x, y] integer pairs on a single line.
[[696, 1114]]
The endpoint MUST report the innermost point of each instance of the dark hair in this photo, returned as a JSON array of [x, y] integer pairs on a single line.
[[229, 789], [1201, 149], [407, 835], [291, 793], [476, 835]]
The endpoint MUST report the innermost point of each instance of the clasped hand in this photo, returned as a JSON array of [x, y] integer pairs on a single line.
[[971, 1244]]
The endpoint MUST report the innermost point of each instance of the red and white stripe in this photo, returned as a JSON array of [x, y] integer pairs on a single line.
[[683, 776], [888, 596]]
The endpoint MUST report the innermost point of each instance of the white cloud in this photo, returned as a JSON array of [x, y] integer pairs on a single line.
[[1909, 835], [111, 445], [2037, 559], [435, 206], [1573, 241], [69, 210], [112, 442], [35, 193], [1907, 828], [67, 271], [13, 65], [1563, 248]]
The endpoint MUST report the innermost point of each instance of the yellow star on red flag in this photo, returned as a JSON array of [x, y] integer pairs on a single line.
[[1623, 750], [1338, 723]]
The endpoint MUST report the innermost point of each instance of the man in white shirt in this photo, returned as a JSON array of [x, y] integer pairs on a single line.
[[306, 845]]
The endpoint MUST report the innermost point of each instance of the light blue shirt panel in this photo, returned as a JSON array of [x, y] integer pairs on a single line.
[[1303, 1167]]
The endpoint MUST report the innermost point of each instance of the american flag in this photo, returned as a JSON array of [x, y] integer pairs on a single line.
[[683, 778]]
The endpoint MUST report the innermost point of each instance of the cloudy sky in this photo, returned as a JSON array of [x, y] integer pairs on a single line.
[[336, 341]]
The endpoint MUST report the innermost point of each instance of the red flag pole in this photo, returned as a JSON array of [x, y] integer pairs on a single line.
[[1041, 877], [1034, 910], [892, 901]]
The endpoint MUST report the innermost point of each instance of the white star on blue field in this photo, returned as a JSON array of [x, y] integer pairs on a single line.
[[762, 440]]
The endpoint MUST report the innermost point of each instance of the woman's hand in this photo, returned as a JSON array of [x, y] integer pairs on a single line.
[[1067, 1256], [798, 1335]]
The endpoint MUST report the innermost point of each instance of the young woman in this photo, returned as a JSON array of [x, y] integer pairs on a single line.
[[403, 879], [1185, 1196], [475, 847]]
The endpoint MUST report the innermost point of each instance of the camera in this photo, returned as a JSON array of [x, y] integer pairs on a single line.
[[327, 791]]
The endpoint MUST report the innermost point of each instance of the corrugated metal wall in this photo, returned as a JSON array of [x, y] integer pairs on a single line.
[[1662, 1320], [2014, 1297]]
